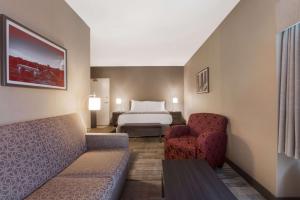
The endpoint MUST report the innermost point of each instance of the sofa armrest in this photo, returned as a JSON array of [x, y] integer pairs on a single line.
[[176, 131], [96, 141]]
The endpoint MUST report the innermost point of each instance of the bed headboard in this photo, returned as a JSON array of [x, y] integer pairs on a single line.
[[148, 105]]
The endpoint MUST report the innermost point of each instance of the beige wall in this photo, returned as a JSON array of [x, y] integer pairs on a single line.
[[241, 58], [55, 20], [142, 83], [288, 13], [288, 169]]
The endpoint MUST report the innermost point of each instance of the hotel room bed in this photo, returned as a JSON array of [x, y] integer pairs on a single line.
[[147, 114], [145, 117]]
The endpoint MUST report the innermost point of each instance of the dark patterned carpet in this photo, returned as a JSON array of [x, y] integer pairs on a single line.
[[144, 178]]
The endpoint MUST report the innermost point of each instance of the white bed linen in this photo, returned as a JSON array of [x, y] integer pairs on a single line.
[[146, 117]]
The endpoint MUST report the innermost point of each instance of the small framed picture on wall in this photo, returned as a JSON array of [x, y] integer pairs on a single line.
[[203, 81]]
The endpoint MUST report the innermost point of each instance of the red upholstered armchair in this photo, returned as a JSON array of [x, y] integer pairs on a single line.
[[204, 137]]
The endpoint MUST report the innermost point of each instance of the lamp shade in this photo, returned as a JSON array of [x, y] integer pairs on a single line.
[[118, 101], [94, 103], [175, 100]]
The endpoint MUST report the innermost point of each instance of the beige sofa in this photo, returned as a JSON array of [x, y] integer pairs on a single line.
[[54, 158]]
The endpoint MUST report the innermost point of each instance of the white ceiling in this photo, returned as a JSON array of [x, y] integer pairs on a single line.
[[149, 32]]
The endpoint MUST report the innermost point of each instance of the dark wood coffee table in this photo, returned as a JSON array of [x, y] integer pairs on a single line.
[[192, 180]]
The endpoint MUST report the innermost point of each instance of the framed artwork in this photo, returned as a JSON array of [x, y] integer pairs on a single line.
[[203, 81], [29, 59]]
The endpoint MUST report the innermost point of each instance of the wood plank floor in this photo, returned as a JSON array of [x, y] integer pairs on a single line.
[[144, 178]]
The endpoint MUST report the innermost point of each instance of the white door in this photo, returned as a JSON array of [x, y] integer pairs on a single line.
[[100, 87]]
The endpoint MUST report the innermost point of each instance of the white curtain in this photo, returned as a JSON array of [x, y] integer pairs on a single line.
[[289, 92]]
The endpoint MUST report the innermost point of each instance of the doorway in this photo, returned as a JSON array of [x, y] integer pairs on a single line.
[[101, 87]]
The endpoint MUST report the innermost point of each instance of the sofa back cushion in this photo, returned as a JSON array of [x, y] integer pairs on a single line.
[[63, 138], [33, 152], [23, 161], [206, 122]]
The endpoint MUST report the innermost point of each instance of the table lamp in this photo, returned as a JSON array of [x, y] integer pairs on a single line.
[[94, 105]]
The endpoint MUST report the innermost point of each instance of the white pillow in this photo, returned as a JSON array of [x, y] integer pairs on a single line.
[[147, 106]]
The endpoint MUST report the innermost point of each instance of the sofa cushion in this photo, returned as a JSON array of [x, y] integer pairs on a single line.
[[74, 189], [63, 138], [105, 163], [23, 161]]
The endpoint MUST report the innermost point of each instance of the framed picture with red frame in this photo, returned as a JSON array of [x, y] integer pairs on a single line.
[[29, 59]]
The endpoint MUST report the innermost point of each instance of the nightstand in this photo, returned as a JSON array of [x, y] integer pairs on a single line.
[[177, 118], [114, 118]]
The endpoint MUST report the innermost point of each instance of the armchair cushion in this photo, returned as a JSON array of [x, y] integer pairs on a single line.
[[97, 141], [177, 131], [180, 148]]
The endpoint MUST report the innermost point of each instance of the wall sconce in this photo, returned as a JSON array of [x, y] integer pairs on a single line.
[[94, 105], [118, 101], [174, 101]]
